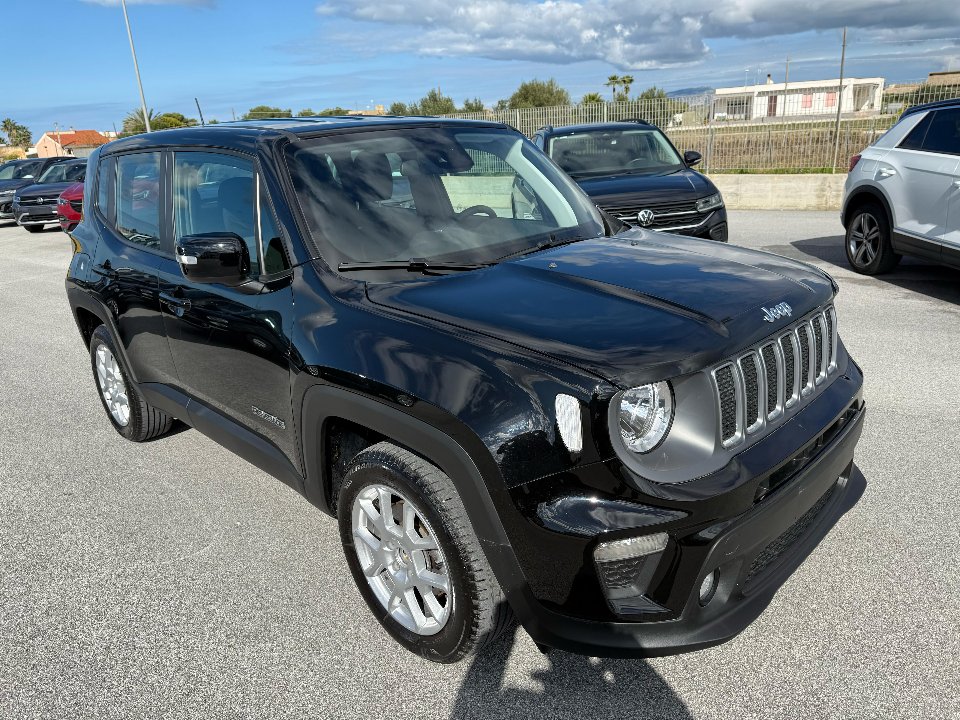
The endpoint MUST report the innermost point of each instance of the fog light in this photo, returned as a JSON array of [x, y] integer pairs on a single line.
[[708, 587], [626, 568]]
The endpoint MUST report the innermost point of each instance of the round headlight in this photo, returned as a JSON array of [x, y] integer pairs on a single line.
[[645, 416]]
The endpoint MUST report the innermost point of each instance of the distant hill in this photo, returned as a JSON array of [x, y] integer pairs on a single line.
[[703, 90]]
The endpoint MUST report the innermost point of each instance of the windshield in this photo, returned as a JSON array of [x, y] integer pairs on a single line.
[[18, 170], [611, 152], [63, 172], [439, 194]]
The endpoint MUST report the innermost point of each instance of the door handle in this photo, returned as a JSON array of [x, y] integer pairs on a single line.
[[887, 172], [106, 271], [175, 303], [956, 183]]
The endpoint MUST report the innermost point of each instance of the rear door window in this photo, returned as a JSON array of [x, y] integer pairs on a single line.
[[914, 139], [943, 135], [138, 198]]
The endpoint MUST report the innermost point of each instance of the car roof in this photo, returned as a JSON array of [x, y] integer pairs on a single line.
[[245, 133], [940, 104], [594, 127]]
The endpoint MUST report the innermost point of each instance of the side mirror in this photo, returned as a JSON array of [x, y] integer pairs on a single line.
[[216, 257], [692, 157]]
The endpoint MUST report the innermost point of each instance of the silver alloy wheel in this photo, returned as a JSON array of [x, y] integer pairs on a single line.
[[402, 560], [112, 386], [864, 243]]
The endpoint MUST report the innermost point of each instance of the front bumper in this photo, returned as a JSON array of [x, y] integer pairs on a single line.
[[35, 214], [755, 545]]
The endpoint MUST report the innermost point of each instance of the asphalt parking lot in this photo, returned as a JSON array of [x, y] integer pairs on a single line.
[[174, 580]]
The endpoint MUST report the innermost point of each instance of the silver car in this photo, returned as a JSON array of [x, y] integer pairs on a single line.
[[902, 196]]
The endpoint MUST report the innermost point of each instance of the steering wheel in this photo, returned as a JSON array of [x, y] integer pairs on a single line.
[[468, 216]]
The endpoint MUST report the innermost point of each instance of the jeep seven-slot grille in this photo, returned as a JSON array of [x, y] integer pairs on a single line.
[[755, 390]]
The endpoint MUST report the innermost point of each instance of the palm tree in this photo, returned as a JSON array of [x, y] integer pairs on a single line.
[[134, 123], [592, 97], [613, 82], [8, 126], [626, 81]]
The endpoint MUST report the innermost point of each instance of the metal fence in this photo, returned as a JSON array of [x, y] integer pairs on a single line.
[[759, 129], [783, 131]]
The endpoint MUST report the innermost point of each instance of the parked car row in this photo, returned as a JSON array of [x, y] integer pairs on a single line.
[[43, 191]]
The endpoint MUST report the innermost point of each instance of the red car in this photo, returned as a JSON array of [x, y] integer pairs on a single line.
[[70, 207]]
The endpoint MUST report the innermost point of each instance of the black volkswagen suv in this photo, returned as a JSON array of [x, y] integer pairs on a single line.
[[35, 206], [632, 171], [626, 440], [18, 174]]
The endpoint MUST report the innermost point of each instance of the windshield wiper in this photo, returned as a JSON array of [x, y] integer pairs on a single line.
[[552, 242], [412, 265]]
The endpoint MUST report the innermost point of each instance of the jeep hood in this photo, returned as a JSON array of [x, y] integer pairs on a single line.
[[629, 309]]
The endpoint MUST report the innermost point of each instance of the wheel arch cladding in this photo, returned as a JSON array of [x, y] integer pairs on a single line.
[[324, 403], [866, 195]]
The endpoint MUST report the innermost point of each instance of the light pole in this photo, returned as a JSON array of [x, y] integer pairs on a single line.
[[136, 67]]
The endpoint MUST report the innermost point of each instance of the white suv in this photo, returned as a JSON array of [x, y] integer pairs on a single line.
[[902, 196]]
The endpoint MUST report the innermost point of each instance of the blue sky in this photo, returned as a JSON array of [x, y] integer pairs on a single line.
[[233, 54]]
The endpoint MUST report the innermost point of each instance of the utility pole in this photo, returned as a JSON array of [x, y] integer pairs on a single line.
[[136, 66], [836, 129]]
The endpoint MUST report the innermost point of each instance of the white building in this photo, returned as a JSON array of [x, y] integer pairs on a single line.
[[798, 99]]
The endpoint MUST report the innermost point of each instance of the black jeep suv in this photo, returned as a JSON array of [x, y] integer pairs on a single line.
[[626, 440], [632, 171]]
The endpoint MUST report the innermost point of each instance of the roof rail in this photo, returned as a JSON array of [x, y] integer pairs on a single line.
[[639, 121], [931, 106]]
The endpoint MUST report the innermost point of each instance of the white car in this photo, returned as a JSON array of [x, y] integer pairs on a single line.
[[902, 196]]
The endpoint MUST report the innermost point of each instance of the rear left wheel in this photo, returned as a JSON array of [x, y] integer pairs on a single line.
[[130, 414], [33, 228]]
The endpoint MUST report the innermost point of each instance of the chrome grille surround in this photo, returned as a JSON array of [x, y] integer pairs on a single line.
[[801, 359]]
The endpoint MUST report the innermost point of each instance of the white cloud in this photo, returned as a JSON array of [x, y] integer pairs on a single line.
[[627, 33]]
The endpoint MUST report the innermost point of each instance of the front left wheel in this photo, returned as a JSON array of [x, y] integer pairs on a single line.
[[415, 557], [33, 228]]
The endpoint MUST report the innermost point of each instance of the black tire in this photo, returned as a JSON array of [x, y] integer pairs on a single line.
[[145, 422], [33, 228], [867, 241], [479, 613]]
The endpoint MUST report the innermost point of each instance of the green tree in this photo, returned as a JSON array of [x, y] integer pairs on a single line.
[[472, 106], [653, 93], [626, 81], [333, 111], [539, 93], [17, 135], [134, 122], [434, 103], [259, 112], [591, 97], [306, 112], [168, 120], [399, 108]]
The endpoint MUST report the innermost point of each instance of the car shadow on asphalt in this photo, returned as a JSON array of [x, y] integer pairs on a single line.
[[572, 686], [916, 275]]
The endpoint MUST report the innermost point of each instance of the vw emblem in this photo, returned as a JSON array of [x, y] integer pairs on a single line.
[[645, 217], [39, 201], [776, 312]]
